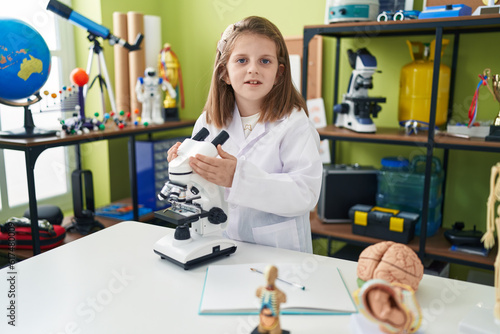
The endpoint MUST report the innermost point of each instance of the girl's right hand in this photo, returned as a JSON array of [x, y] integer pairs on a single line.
[[172, 152]]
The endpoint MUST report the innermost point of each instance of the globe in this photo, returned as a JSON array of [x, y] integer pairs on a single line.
[[24, 60]]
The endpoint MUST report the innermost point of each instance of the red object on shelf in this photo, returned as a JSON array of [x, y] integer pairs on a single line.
[[79, 77], [21, 238]]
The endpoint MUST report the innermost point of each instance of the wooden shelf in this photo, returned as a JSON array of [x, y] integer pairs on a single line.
[[33, 147], [109, 133], [23, 254], [399, 137], [383, 135], [462, 24], [436, 246], [475, 144]]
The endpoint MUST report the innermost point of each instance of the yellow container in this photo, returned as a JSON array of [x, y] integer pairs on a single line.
[[415, 86]]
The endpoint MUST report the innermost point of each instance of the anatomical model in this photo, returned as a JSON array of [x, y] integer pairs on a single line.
[[392, 306], [271, 297], [493, 223]]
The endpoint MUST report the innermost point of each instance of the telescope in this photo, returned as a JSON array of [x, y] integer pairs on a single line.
[[92, 27]]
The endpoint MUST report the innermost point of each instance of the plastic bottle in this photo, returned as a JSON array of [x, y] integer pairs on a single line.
[[415, 86], [401, 187]]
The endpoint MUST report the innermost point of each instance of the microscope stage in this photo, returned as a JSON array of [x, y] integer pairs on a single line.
[[179, 217]]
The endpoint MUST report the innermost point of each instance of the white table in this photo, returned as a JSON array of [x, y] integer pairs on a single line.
[[113, 282]]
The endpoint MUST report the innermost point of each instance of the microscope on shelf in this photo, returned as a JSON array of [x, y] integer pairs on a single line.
[[355, 110], [196, 202]]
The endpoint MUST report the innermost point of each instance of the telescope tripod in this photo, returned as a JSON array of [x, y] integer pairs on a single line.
[[96, 49]]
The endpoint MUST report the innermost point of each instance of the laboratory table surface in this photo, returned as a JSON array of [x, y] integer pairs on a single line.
[[112, 282]]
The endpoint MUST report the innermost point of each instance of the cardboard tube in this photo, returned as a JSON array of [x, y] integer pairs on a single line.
[[121, 64], [137, 63]]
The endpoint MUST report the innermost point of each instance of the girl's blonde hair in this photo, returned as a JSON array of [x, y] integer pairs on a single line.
[[282, 98]]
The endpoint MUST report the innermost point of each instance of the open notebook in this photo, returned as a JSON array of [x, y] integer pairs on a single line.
[[230, 289]]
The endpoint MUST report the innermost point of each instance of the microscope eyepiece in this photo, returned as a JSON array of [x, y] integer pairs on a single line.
[[221, 138], [201, 135]]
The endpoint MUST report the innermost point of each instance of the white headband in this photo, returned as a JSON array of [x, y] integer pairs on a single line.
[[221, 45]]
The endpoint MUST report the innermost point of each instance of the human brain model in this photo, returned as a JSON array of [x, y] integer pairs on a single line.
[[390, 261]]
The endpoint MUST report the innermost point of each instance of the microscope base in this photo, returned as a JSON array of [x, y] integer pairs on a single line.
[[352, 123], [198, 249]]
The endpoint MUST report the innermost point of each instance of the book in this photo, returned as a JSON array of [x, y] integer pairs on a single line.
[[230, 289]]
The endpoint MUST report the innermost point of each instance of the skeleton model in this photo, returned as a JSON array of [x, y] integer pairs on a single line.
[[149, 93], [491, 224], [270, 297]]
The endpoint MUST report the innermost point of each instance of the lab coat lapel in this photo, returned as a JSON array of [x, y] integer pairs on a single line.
[[259, 129], [246, 143], [235, 130]]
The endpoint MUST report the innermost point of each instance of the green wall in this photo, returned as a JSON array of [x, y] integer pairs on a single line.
[[193, 29], [94, 155]]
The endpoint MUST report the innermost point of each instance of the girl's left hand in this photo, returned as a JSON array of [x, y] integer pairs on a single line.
[[215, 170]]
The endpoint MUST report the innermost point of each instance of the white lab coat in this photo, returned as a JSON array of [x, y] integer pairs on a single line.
[[276, 183]]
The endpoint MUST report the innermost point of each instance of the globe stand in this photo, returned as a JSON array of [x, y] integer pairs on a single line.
[[29, 130]]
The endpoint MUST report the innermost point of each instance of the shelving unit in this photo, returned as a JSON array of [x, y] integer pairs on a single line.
[[426, 247], [33, 147], [149, 218]]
